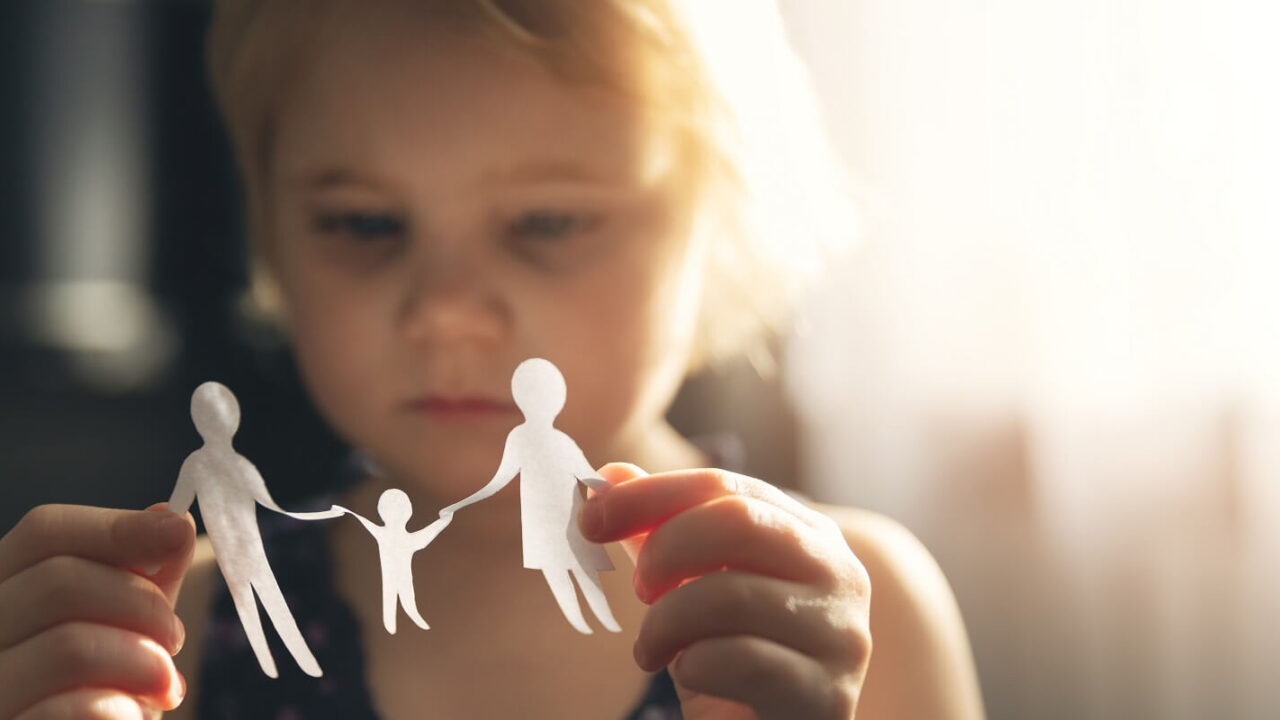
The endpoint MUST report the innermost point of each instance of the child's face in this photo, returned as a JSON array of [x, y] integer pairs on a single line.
[[443, 209]]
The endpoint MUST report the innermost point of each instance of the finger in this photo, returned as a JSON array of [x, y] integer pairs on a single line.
[[169, 574], [124, 538], [53, 591], [775, 681], [614, 474], [732, 603], [739, 533], [643, 503], [82, 655], [88, 704]]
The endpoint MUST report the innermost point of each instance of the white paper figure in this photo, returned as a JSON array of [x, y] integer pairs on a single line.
[[227, 486], [551, 466], [396, 546]]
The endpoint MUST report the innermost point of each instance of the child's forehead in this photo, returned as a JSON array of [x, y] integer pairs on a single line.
[[441, 98]]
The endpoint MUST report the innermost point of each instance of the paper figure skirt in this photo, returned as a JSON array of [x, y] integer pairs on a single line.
[[549, 525]]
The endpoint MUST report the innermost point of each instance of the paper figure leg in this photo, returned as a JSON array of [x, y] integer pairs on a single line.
[[410, 606], [562, 587], [389, 609], [591, 590], [247, 609], [286, 626]]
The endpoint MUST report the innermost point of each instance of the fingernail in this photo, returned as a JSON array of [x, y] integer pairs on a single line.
[[591, 519], [171, 531], [641, 592], [178, 693], [179, 635]]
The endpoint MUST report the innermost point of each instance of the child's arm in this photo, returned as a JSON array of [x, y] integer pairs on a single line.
[[81, 623], [759, 599]]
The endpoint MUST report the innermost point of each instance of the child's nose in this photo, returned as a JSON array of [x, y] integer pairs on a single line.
[[449, 300]]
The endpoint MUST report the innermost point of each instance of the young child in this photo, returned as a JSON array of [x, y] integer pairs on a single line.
[[438, 190]]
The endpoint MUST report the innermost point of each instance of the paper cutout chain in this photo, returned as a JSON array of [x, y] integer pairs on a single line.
[[550, 464]]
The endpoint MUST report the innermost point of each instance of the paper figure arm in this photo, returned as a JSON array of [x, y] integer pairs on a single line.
[[369, 525], [184, 491], [507, 470], [332, 512], [422, 538], [258, 487]]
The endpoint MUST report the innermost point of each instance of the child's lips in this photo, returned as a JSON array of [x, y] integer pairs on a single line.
[[457, 408]]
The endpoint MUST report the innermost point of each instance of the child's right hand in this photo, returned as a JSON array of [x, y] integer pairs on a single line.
[[87, 627]]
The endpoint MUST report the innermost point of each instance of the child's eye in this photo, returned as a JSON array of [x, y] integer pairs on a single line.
[[361, 225], [550, 224]]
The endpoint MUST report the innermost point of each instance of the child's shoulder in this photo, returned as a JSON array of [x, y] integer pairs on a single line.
[[918, 637], [884, 545]]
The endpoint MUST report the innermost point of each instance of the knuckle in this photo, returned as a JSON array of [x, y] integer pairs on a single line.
[[844, 699], [857, 579], [719, 480], [739, 510], [828, 525], [848, 577], [855, 637]]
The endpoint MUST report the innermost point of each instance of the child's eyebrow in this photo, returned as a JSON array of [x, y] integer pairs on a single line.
[[552, 171], [566, 172], [328, 178]]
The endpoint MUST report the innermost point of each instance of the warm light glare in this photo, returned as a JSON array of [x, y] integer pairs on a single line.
[[1056, 354]]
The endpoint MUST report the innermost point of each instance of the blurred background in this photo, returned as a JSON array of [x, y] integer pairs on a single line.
[[1054, 352]]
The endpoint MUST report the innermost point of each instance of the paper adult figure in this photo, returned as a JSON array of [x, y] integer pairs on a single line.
[[227, 486], [551, 466], [396, 546]]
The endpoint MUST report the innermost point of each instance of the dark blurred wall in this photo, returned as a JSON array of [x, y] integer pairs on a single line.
[[71, 429]]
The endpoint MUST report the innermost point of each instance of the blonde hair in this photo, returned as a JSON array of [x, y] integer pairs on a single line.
[[722, 72]]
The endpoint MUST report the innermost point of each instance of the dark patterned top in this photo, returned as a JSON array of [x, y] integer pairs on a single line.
[[233, 686]]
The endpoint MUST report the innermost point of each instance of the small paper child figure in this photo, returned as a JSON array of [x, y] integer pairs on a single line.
[[551, 466], [396, 547], [227, 486]]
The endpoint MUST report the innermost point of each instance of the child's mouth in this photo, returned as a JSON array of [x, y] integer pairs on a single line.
[[461, 408]]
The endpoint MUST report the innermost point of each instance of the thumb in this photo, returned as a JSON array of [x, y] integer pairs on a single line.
[[619, 472], [170, 572], [616, 474]]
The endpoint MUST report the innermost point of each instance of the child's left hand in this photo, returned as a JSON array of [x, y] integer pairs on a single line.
[[756, 597]]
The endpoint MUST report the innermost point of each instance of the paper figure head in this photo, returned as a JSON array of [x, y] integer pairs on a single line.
[[394, 507], [538, 389], [214, 411]]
